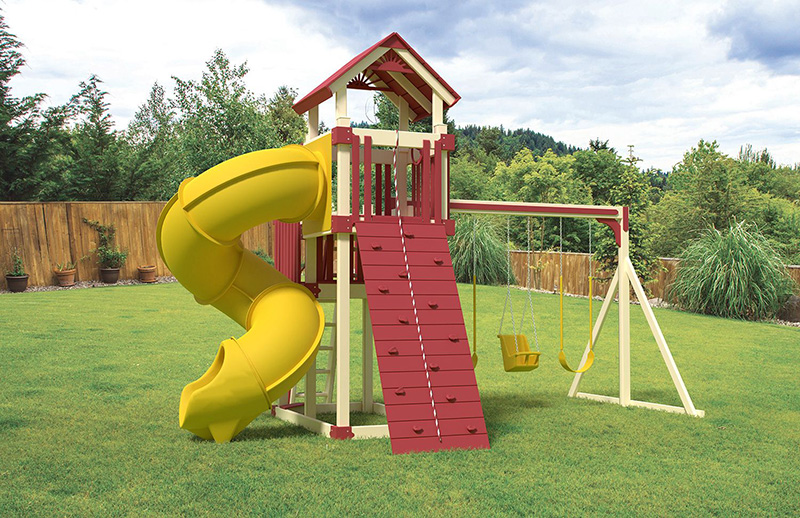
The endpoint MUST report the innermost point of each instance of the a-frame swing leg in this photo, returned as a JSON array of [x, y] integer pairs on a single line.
[[677, 380], [688, 405], [598, 325]]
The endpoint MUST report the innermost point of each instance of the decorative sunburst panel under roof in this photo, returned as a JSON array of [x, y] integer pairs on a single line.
[[390, 66]]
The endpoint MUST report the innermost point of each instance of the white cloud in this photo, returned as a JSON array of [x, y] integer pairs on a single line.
[[657, 75]]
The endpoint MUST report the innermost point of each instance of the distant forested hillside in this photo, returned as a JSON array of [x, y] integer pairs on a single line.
[[505, 143]]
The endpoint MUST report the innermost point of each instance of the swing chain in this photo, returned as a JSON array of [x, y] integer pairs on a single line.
[[508, 288], [530, 288]]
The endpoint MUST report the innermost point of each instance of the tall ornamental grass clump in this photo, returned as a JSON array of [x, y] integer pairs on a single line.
[[734, 274], [479, 236]]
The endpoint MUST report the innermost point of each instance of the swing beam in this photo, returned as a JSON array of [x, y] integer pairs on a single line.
[[624, 279]]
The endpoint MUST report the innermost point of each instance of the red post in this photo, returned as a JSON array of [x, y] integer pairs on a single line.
[[367, 177], [436, 178], [378, 185], [287, 249], [387, 189], [356, 174], [426, 180]]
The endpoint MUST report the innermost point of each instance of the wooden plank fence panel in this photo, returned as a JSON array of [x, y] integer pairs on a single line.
[[545, 267], [794, 273], [49, 233]]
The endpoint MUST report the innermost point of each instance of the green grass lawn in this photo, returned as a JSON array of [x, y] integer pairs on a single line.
[[89, 422]]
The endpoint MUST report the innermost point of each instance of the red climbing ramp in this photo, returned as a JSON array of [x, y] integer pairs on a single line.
[[429, 388]]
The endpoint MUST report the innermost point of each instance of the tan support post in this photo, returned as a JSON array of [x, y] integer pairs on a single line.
[[312, 131], [624, 293], [343, 272]]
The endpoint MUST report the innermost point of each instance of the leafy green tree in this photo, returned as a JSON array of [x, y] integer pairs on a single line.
[[22, 144], [712, 183], [614, 181], [153, 165], [601, 170], [468, 178], [546, 179], [284, 123], [762, 173], [707, 189], [218, 118]]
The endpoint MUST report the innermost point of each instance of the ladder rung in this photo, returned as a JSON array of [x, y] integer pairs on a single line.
[[323, 371], [330, 324], [325, 348]]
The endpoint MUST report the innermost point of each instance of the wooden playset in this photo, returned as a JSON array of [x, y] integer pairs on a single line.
[[384, 243]]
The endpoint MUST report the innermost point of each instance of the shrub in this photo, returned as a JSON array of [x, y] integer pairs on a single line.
[[109, 255], [734, 274], [479, 236], [17, 266]]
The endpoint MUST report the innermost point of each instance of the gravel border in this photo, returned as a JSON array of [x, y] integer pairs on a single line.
[[94, 284]]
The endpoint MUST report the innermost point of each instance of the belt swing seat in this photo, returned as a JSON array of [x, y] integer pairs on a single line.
[[562, 358], [517, 354]]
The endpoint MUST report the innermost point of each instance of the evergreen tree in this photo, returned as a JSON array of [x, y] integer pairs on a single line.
[[21, 148], [95, 170]]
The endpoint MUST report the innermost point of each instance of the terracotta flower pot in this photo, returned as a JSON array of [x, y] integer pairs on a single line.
[[109, 275], [65, 277], [147, 273], [17, 283]]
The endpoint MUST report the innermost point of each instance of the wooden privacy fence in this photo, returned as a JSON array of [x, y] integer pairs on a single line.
[[49, 233], [545, 268], [54, 232]]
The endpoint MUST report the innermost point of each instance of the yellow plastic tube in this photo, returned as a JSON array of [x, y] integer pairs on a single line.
[[198, 238]]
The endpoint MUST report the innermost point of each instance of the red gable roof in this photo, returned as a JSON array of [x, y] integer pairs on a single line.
[[378, 76]]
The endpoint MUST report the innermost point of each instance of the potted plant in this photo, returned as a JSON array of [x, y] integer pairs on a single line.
[[16, 278], [65, 273], [147, 273], [109, 255]]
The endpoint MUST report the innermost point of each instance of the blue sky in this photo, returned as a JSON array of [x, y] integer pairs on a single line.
[[659, 75]]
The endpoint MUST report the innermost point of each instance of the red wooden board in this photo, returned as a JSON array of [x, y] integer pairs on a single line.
[[432, 403]]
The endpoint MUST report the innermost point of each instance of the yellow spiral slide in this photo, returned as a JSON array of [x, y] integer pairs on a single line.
[[198, 238]]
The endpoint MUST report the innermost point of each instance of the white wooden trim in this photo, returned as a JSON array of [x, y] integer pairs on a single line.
[[312, 130], [341, 108], [437, 113], [378, 431], [384, 156], [327, 292], [379, 408], [412, 90], [510, 205], [366, 359], [375, 431], [666, 354], [426, 76], [641, 404], [403, 114], [309, 423], [342, 328], [624, 293], [343, 287], [598, 326], [310, 406], [388, 138], [357, 68]]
